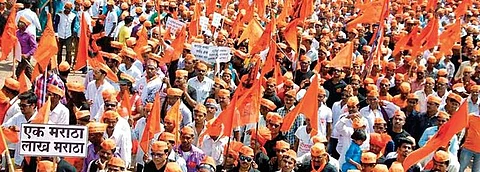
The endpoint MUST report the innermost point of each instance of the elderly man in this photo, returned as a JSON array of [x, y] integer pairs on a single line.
[[119, 130], [201, 83], [319, 161]]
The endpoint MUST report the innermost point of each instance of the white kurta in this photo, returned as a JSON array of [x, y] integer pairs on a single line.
[[59, 115], [214, 148], [123, 139], [95, 94], [324, 117], [203, 88], [17, 120], [345, 131]]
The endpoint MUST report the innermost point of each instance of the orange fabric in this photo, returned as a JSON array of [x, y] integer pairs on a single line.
[[76, 162], [305, 107], [458, 121], [278, 74], [228, 118], [261, 8], [399, 102], [290, 34], [473, 130], [152, 125], [43, 113], [287, 10], [427, 39], [177, 46], [25, 83], [253, 32], [4, 106], [449, 36], [141, 42], [406, 40], [175, 116], [271, 60], [266, 37], [344, 57], [47, 46], [83, 45], [372, 15], [248, 105], [462, 8], [210, 6], [11, 135], [9, 36], [431, 5], [126, 102], [306, 9]]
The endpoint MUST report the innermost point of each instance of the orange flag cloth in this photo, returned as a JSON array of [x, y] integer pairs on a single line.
[[177, 46], [43, 113], [141, 42], [290, 34], [47, 47], [307, 106], [372, 15], [449, 36], [9, 36], [25, 83], [152, 125], [462, 8], [457, 122], [83, 45], [253, 32], [4, 106], [344, 57], [266, 37], [427, 39]]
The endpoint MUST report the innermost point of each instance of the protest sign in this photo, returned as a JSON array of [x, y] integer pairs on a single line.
[[204, 23], [210, 53], [53, 140], [174, 25], [216, 21]]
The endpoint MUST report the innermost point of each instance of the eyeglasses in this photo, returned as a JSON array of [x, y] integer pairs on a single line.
[[246, 159], [274, 125], [24, 105], [110, 105], [157, 154], [205, 166]]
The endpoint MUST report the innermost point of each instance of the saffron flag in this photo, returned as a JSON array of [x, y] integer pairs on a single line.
[[43, 113], [372, 15], [174, 115], [290, 34], [10, 135], [462, 8], [457, 122], [306, 9], [248, 105], [427, 39], [47, 46], [9, 36], [344, 57], [271, 60], [253, 32], [141, 42], [152, 125], [449, 36], [25, 83], [177, 46], [83, 45], [308, 106], [266, 37], [4, 105], [286, 11], [228, 117], [126, 102], [405, 41]]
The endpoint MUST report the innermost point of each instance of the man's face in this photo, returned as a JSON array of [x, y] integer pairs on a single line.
[[105, 155], [320, 98], [352, 109], [201, 72], [412, 102], [287, 164], [187, 140], [2, 5], [405, 149], [429, 85], [274, 127], [439, 166], [172, 99], [54, 98], [432, 107], [355, 84], [223, 100], [372, 101], [151, 70], [110, 105], [169, 125], [441, 86], [317, 160], [289, 100], [452, 105], [280, 152], [189, 64], [245, 161], [368, 167], [379, 128], [67, 10], [420, 75], [199, 117], [95, 138], [441, 121], [398, 121], [159, 157], [375, 149], [26, 108], [227, 78], [110, 123], [304, 65], [97, 74], [270, 88]]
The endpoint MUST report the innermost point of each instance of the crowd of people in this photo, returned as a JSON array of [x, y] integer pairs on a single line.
[[151, 103]]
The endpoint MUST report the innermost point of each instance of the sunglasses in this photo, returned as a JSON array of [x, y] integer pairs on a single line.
[[246, 159], [110, 105], [23, 105], [274, 125], [157, 154]]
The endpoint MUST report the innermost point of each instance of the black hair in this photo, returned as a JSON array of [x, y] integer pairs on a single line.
[[359, 135], [14, 92], [403, 140], [29, 96], [128, 20]]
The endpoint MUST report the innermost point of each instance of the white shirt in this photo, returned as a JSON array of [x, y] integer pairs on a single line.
[[32, 18], [203, 88], [110, 21], [13, 109], [149, 89], [195, 133], [17, 120], [336, 113], [132, 71], [123, 139], [96, 7], [214, 148], [186, 114], [59, 115], [95, 94], [138, 135], [345, 131], [422, 100], [64, 28], [370, 114], [304, 141], [324, 117]]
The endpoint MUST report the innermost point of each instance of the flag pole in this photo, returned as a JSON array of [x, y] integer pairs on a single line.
[[7, 152], [14, 62]]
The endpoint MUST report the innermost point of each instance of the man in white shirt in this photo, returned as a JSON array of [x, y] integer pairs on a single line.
[[31, 16], [10, 91], [111, 19], [202, 84], [151, 83], [128, 58], [28, 105], [118, 129], [174, 95], [94, 90], [324, 114], [59, 113], [63, 25]]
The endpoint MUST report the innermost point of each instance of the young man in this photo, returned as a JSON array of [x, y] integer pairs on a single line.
[[64, 25], [159, 157], [59, 114], [28, 46]]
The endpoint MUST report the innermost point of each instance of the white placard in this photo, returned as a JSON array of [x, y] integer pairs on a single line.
[[53, 140], [217, 19], [210, 53], [204, 23], [174, 25]]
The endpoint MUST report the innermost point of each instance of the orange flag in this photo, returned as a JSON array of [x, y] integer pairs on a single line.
[[277, 74], [126, 102], [407, 39], [210, 6], [10, 135], [174, 113], [287, 10], [3, 142], [4, 106], [308, 106], [372, 15], [47, 47], [35, 73], [83, 45], [271, 60], [43, 113], [290, 34], [449, 36], [253, 32], [344, 57], [266, 37], [177, 46], [431, 5], [9, 36], [306, 9], [261, 7], [228, 117], [141, 42], [248, 106], [427, 39], [462, 8], [152, 125], [457, 122], [25, 83]]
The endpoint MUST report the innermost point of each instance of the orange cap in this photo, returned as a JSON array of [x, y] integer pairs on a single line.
[[441, 156], [467, 69], [290, 153], [368, 81], [405, 87], [181, 73], [434, 99], [117, 162], [245, 150], [475, 88], [442, 80], [221, 82], [75, 86], [400, 77], [396, 167], [127, 77], [108, 93], [352, 101], [96, 127], [108, 144], [187, 130], [167, 136], [412, 96], [317, 149], [282, 145], [25, 20], [391, 66], [373, 93], [443, 114], [110, 115], [399, 113], [45, 166], [291, 93], [202, 66], [209, 160], [174, 92], [223, 92], [55, 90], [200, 108], [262, 136], [12, 84], [268, 104], [357, 123], [64, 66], [380, 168], [368, 158], [455, 97], [159, 146], [442, 72], [380, 120], [82, 113], [274, 117], [379, 140], [319, 139], [173, 167]]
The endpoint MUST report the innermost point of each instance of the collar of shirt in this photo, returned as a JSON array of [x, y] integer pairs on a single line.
[[14, 100]]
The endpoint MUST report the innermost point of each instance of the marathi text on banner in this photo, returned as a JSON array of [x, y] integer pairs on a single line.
[[210, 53], [53, 140]]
